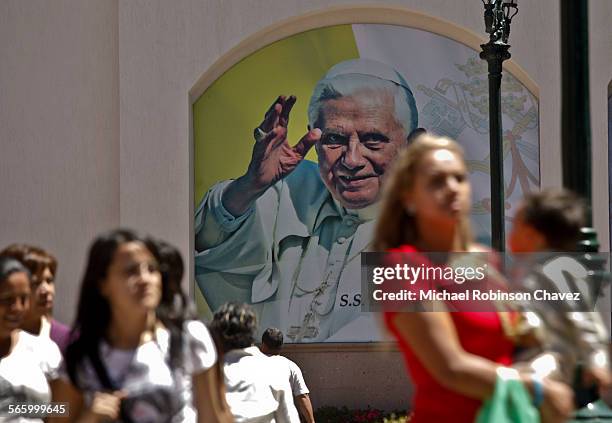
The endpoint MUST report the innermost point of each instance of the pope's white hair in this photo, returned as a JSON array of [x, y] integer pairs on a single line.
[[352, 76]]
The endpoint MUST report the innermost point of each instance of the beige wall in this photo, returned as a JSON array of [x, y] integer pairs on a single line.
[[94, 123], [356, 377], [59, 129]]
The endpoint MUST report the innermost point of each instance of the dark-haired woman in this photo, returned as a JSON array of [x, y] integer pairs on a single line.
[[137, 358], [27, 363], [454, 359], [258, 391], [43, 268]]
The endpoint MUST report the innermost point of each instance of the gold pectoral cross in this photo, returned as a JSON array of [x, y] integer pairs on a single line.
[[306, 330], [310, 325]]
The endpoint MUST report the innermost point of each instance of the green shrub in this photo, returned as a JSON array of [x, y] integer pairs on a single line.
[[330, 414]]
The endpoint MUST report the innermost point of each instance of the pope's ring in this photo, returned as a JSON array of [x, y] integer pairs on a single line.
[[259, 134]]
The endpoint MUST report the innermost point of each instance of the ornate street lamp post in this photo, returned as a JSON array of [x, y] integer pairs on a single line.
[[575, 112], [497, 16], [576, 138]]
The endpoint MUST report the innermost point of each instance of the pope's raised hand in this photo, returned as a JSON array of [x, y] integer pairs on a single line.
[[273, 158]]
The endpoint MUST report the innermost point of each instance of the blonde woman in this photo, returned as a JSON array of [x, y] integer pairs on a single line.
[[453, 358]]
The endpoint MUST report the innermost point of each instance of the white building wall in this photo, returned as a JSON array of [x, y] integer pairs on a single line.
[[94, 114], [59, 129]]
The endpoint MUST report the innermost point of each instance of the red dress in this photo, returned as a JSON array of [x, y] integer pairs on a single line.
[[479, 333]]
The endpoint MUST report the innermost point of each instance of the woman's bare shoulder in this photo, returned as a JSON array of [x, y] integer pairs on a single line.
[[479, 248]]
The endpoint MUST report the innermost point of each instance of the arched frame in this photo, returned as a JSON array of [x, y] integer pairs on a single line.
[[359, 14], [350, 15]]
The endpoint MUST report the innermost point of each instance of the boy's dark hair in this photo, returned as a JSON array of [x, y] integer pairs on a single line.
[[10, 265], [234, 325], [558, 214], [273, 339]]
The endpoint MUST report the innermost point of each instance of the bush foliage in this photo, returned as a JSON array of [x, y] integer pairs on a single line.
[[330, 414]]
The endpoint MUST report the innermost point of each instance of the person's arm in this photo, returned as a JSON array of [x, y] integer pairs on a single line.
[[105, 406], [209, 397], [304, 407], [63, 391], [208, 388], [434, 340], [593, 346], [301, 397]]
